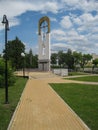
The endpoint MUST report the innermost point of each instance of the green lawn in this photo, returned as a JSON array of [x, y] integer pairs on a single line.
[[77, 73], [83, 99], [86, 78], [6, 111]]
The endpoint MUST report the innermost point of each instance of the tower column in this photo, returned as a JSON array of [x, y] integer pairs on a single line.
[[44, 44]]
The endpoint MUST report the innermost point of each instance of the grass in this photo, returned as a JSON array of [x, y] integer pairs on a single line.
[[83, 99], [77, 73], [86, 78], [6, 110]]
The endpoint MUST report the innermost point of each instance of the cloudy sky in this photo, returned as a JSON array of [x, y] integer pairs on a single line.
[[74, 23]]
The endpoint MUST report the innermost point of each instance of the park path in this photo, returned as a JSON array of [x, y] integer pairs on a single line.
[[40, 108]]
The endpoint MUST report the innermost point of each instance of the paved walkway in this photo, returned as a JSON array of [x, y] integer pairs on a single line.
[[40, 108]]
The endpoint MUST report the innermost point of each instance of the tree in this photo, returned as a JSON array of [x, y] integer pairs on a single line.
[[69, 59], [11, 78], [35, 61], [72, 60], [14, 50], [53, 58], [30, 57], [87, 57], [77, 57], [84, 60], [95, 62], [61, 58], [31, 60]]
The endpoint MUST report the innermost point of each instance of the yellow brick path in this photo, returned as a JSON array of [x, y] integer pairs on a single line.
[[40, 108]]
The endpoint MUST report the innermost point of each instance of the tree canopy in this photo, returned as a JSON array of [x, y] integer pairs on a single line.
[[14, 50], [95, 62], [31, 60], [70, 59]]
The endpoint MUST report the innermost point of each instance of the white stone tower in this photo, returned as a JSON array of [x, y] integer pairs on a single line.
[[44, 44]]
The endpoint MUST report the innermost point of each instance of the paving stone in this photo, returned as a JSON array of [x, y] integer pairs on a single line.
[[40, 108]]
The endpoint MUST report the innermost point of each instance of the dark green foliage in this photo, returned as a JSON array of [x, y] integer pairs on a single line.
[[61, 58], [65, 60], [55, 67], [35, 61], [2, 72], [31, 61], [84, 59], [70, 60], [53, 58], [14, 50], [11, 77], [95, 62], [77, 57]]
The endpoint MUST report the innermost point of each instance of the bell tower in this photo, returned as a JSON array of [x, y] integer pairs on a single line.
[[44, 44]]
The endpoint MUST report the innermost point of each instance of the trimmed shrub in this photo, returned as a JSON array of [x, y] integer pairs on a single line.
[[11, 77]]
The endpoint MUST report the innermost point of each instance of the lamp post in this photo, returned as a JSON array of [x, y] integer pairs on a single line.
[[23, 55], [5, 21]]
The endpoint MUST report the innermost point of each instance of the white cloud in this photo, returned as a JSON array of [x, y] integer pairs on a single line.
[[1, 27], [62, 40], [53, 19], [58, 35], [87, 17], [17, 7], [84, 5], [77, 21], [82, 36], [50, 6], [72, 33], [14, 8], [14, 21], [57, 32], [71, 2], [89, 23], [69, 36], [66, 22], [89, 5], [60, 46]]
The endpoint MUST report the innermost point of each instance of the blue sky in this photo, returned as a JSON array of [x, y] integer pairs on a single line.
[[74, 23]]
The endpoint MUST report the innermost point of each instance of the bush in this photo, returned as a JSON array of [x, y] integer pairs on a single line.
[[11, 77], [55, 67], [1, 81]]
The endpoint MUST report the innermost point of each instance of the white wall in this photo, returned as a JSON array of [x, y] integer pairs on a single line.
[[47, 48]]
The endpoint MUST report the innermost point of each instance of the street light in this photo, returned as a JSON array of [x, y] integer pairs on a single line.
[[23, 55], [5, 21]]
